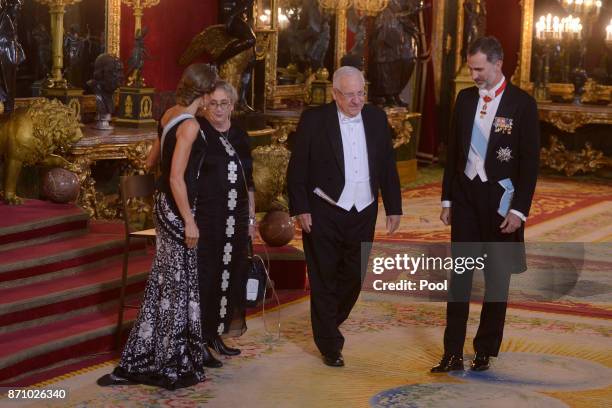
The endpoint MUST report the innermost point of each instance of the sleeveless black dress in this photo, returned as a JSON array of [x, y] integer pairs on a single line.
[[222, 213], [165, 345]]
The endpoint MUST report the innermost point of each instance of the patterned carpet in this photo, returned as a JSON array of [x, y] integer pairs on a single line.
[[551, 357], [547, 360]]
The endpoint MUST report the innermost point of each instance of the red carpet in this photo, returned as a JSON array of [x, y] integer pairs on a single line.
[[60, 285], [35, 219]]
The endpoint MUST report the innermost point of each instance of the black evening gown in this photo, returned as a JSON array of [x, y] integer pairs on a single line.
[[165, 345], [222, 216]]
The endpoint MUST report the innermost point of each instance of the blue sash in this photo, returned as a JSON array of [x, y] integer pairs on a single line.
[[506, 199], [479, 142]]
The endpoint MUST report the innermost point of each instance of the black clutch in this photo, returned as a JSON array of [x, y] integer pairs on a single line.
[[257, 279]]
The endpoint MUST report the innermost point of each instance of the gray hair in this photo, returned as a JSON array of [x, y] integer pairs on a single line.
[[346, 71], [228, 88], [489, 46]]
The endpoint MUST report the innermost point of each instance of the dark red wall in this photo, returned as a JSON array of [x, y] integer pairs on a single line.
[[172, 24], [504, 22]]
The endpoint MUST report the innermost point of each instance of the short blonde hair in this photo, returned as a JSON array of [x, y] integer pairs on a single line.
[[228, 88], [197, 80]]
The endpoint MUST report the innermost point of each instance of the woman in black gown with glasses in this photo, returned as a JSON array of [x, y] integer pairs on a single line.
[[225, 216]]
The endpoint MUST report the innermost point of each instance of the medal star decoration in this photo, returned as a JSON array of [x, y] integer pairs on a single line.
[[503, 125], [504, 154]]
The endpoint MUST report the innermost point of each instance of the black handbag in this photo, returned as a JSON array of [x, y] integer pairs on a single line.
[[257, 278]]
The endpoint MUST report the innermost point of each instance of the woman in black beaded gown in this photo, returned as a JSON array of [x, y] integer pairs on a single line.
[[225, 216], [165, 347]]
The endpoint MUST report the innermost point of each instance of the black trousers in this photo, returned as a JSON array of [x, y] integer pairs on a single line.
[[333, 258], [474, 219]]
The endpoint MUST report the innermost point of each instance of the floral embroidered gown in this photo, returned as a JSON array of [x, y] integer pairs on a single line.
[[165, 345], [222, 217]]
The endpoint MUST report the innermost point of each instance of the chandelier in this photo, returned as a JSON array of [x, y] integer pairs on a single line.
[[583, 7], [368, 7]]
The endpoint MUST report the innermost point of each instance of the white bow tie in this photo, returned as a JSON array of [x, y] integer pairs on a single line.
[[490, 93], [347, 119]]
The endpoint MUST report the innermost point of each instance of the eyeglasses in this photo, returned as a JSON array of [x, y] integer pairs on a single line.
[[351, 95], [224, 105]]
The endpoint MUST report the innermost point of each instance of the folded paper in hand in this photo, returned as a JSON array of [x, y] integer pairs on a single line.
[[324, 196]]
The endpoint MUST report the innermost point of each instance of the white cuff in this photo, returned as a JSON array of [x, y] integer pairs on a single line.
[[446, 204], [519, 214]]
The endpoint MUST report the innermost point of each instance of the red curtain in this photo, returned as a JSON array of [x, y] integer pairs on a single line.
[[428, 142], [172, 24]]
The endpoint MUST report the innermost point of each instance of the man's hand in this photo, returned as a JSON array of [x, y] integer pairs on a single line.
[[445, 215], [393, 222], [511, 223], [305, 221]]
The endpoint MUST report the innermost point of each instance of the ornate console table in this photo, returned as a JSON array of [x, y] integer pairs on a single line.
[[571, 120], [131, 145], [568, 117]]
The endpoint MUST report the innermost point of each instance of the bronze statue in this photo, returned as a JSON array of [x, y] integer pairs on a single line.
[[318, 49], [237, 26], [137, 59], [231, 46], [11, 52], [38, 134], [42, 39], [395, 47], [74, 44], [474, 23], [108, 76]]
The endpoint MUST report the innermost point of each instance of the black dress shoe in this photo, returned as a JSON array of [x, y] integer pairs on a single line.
[[222, 348], [449, 362], [335, 360], [210, 360], [112, 379], [480, 362]]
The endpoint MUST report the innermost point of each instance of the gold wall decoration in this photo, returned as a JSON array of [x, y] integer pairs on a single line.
[[129, 105], [146, 107], [438, 47], [75, 105], [341, 27], [113, 27]]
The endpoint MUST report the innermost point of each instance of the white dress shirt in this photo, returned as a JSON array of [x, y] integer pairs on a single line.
[[475, 165], [357, 191]]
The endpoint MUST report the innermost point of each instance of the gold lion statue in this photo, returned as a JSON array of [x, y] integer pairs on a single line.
[[37, 134]]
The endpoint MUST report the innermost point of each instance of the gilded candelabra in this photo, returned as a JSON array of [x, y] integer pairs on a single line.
[[57, 9], [135, 78], [587, 11], [553, 32]]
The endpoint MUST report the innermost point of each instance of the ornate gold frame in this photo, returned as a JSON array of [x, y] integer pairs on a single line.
[[113, 26], [522, 74], [269, 36]]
